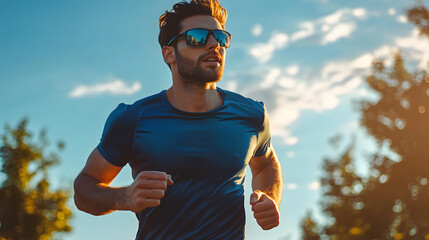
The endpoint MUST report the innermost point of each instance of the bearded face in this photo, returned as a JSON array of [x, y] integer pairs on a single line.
[[195, 72]]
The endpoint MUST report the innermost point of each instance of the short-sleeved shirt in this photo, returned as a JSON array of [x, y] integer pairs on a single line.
[[206, 153]]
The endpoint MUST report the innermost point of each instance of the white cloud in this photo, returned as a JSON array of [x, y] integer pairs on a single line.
[[279, 40], [282, 116], [345, 14], [331, 28], [349, 128], [291, 186], [359, 12], [402, 19], [314, 185], [307, 29], [327, 29], [264, 51], [391, 11], [334, 17], [363, 92], [271, 78], [291, 154], [289, 91], [231, 85], [286, 82], [115, 86], [415, 47], [292, 70], [341, 30], [291, 140], [257, 30]]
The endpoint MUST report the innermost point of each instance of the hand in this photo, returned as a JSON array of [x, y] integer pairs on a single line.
[[265, 210], [147, 190]]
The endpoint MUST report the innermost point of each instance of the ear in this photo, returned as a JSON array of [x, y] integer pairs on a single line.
[[168, 54]]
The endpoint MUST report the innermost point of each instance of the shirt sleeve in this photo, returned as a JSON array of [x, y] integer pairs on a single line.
[[116, 143], [264, 135]]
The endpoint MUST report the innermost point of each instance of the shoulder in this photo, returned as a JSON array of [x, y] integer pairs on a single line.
[[125, 115], [126, 111], [239, 100]]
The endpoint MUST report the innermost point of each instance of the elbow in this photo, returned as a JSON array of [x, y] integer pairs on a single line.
[[78, 202], [84, 193], [79, 197], [80, 205]]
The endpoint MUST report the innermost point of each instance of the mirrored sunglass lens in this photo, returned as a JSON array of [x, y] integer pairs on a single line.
[[196, 37], [222, 38]]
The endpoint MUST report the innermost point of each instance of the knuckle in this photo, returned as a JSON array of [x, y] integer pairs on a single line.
[[254, 208], [157, 193], [160, 174], [140, 201], [161, 193], [141, 175], [155, 202], [139, 183], [270, 203]]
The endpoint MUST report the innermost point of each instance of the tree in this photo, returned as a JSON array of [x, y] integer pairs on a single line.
[[342, 201], [28, 208], [399, 121], [391, 202], [420, 17], [310, 230]]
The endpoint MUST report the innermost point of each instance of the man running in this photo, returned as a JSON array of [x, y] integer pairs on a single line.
[[188, 146]]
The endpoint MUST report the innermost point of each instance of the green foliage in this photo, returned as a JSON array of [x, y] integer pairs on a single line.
[[398, 120], [310, 230], [391, 202], [420, 17], [28, 208], [342, 201]]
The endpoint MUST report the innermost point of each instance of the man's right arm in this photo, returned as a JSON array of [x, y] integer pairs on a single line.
[[94, 195]]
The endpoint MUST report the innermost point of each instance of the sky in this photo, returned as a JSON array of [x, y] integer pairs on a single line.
[[65, 65]]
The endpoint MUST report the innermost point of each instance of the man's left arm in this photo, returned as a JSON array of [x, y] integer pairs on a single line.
[[267, 184]]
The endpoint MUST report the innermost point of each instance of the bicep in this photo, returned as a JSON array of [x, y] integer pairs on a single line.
[[259, 163], [99, 168]]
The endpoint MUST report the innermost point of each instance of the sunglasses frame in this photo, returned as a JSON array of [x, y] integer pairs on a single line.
[[209, 32]]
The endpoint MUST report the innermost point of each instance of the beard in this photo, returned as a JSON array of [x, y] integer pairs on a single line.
[[193, 73]]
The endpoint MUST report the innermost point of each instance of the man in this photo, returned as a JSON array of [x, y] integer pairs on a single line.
[[188, 146]]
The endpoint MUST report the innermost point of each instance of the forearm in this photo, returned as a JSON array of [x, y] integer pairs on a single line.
[[96, 198], [269, 180]]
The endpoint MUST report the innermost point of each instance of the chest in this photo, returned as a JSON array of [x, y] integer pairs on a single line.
[[202, 147]]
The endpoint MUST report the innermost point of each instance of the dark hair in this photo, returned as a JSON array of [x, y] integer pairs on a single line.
[[169, 22]]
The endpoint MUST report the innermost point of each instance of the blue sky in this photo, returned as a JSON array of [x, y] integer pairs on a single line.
[[67, 64]]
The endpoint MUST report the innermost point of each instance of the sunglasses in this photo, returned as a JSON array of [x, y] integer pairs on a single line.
[[198, 37]]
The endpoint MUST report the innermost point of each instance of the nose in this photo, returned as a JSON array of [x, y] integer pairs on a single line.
[[212, 43]]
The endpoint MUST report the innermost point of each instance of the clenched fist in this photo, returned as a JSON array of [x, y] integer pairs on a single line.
[[147, 190], [265, 210]]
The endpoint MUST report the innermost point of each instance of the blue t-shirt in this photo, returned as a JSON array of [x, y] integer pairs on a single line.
[[205, 153]]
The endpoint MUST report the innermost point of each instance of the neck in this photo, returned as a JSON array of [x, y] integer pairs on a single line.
[[194, 98]]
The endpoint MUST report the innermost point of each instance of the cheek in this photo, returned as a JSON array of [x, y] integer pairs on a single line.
[[222, 52], [191, 55]]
